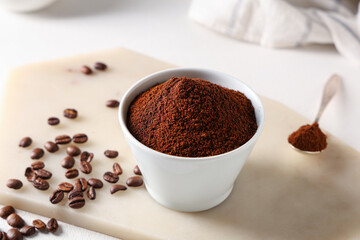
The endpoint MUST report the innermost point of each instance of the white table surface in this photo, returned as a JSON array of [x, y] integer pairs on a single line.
[[161, 28]]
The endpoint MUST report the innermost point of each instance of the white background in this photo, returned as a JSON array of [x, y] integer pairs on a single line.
[[161, 28]]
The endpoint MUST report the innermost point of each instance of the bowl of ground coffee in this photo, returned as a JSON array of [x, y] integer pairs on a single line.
[[191, 131]]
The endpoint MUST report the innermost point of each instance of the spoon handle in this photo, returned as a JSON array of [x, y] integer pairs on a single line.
[[330, 89]]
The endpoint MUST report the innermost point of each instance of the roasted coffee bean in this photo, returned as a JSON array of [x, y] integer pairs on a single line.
[[117, 169], [15, 220], [96, 183], [81, 184], [14, 234], [85, 167], [70, 113], [56, 197], [86, 70], [77, 202], [52, 225], [91, 193], [72, 173], [53, 121], [73, 151], [62, 139], [37, 153], [75, 193], [41, 184], [51, 146], [27, 231], [134, 181], [86, 156], [39, 225], [25, 142], [117, 187], [80, 138], [112, 103], [6, 211], [42, 173], [111, 177], [68, 162], [3, 236], [30, 174], [100, 66], [37, 165], [111, 153], [137, 170], [14, 183], [65, 187]]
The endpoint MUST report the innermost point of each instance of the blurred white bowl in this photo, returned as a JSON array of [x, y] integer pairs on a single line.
[[25, 5]]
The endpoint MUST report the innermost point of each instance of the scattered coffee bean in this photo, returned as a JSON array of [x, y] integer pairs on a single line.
[[39, 225], [14, 234], [27, 231], [51, 146], [53, 121], [75, 193], [111, 153], [65, 187], [25, 142], [70, 113], [73, 151], [81, 184], [52, 225], [3, 236], [63, 139], [112, 103], [134, 181], [42, 173], [56, 197], [30, 174], [6, 211], [86, 70], [72, 173], [68, 162], [91, 193], [111, 177], [96, 183], [41, 184], [77, 202], [117, 169], [117, 187], [100, 66], [137, 170], [14, 184], [80, 138], [85, 167], [15, 220], [37, 153], [37, 165], [86, 156]]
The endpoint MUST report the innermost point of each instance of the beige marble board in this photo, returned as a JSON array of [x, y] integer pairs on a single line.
[[280, 193]]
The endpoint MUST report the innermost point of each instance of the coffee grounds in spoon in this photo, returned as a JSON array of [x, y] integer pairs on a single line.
[[191, 118], [308, 138]]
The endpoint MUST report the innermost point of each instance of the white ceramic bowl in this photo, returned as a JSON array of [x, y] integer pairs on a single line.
[[25, 5], [182, 183]]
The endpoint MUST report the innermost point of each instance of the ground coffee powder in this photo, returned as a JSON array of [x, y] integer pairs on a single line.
[[308, 138], [191, 118]]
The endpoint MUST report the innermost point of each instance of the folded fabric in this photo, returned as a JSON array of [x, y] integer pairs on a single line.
[[285, 23]]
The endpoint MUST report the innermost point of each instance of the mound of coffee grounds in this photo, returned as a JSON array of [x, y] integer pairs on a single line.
[[308, 138], [191, 118]]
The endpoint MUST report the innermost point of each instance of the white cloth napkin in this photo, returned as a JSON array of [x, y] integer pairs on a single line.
[[285, 23]]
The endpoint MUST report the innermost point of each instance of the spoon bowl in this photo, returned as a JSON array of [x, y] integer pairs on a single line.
[[302, 151]]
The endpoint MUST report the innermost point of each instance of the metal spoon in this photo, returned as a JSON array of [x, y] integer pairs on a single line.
[[331, 87]]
